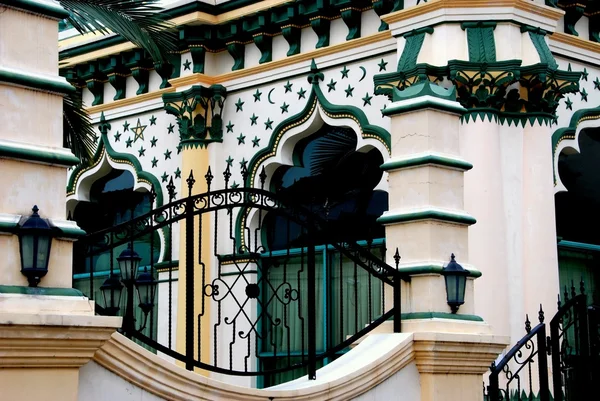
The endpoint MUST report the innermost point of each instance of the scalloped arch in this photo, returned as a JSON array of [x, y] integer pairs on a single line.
[[105, 153], [567, 139], [317, 99]]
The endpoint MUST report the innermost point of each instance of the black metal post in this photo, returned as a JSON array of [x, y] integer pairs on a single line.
[[129, 320], [397, 304], [543, 365], [556, 371], [189, 276], [494, 387], [312, 310]]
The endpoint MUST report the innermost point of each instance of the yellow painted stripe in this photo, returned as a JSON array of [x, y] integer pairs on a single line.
[[576, 41], [434, 5]]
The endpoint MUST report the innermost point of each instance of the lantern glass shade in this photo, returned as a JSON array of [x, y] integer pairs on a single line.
[[35, 240], [129, 261], [146, 289], [456, 282], [111, 293]]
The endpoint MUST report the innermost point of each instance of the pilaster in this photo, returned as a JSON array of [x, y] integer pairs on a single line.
[[426, 216], [198, 113], [32, 158]]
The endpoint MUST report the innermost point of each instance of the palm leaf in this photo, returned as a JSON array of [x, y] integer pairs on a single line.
[[331, 149], [78, 131], [138, 21]]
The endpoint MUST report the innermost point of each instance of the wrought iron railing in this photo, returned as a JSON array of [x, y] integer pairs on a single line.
[[242, 299], [518, 367]]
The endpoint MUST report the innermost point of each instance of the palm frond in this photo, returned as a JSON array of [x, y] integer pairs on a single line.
[[139, 21], [78, 131], [331, 149]]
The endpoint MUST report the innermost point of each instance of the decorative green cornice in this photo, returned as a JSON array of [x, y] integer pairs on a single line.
[[46, 8], [198, 111], [37, 154], [425, 102], [423, 95], [570, 131], [63, 292], [392, 217], [441, 315], [46, 83], [425, 160], [386, 83], [104, 148], [60, 229]]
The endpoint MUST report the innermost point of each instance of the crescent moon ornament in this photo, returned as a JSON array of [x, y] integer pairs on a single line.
[[364, 73], [269, 96]]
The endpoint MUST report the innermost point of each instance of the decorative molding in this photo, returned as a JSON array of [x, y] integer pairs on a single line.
[[37, 154], [169, 381], [449, 353], [194, 79], [425, 268], [45, 291], [105, 150], [570, 133], [480, 40], [424, 102], [34, 81], [52, 341], [198, 112], [47, 9], [439, 6], [428, 213], [440, 315], [427, 159], [412, 48], [574, 10]]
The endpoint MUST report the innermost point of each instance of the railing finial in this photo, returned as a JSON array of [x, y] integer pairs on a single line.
[[541, 314], [227, 176], [527, 324], [209, 177], [171, 190], [397, 257], [263, 178], [190, 181]]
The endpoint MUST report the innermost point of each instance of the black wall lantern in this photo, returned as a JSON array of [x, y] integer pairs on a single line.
[[456, 282], [129, 261], [111, 291], [35, 239], [146, 289]]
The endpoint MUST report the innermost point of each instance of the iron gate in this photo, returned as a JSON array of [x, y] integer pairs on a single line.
[[263, 301], [573, 347]]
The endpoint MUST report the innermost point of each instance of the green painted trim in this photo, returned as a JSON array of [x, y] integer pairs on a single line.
[[46, 156], [427, 160], [48, 84], [423, 103], [122, 158], [412, 48], [539, 42], [480, 39], [569, 132], [440, 315], [8, 227], [70, 232], [431, 214], [432, 269], [46, 8], [65, 292], [579, 246]]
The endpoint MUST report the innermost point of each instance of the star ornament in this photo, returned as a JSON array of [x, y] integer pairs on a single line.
[[138, 130], [597, 84]]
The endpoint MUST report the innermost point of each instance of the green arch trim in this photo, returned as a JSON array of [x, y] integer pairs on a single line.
[[331, 110], [334, 111], [119, 158], [569, 132]]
